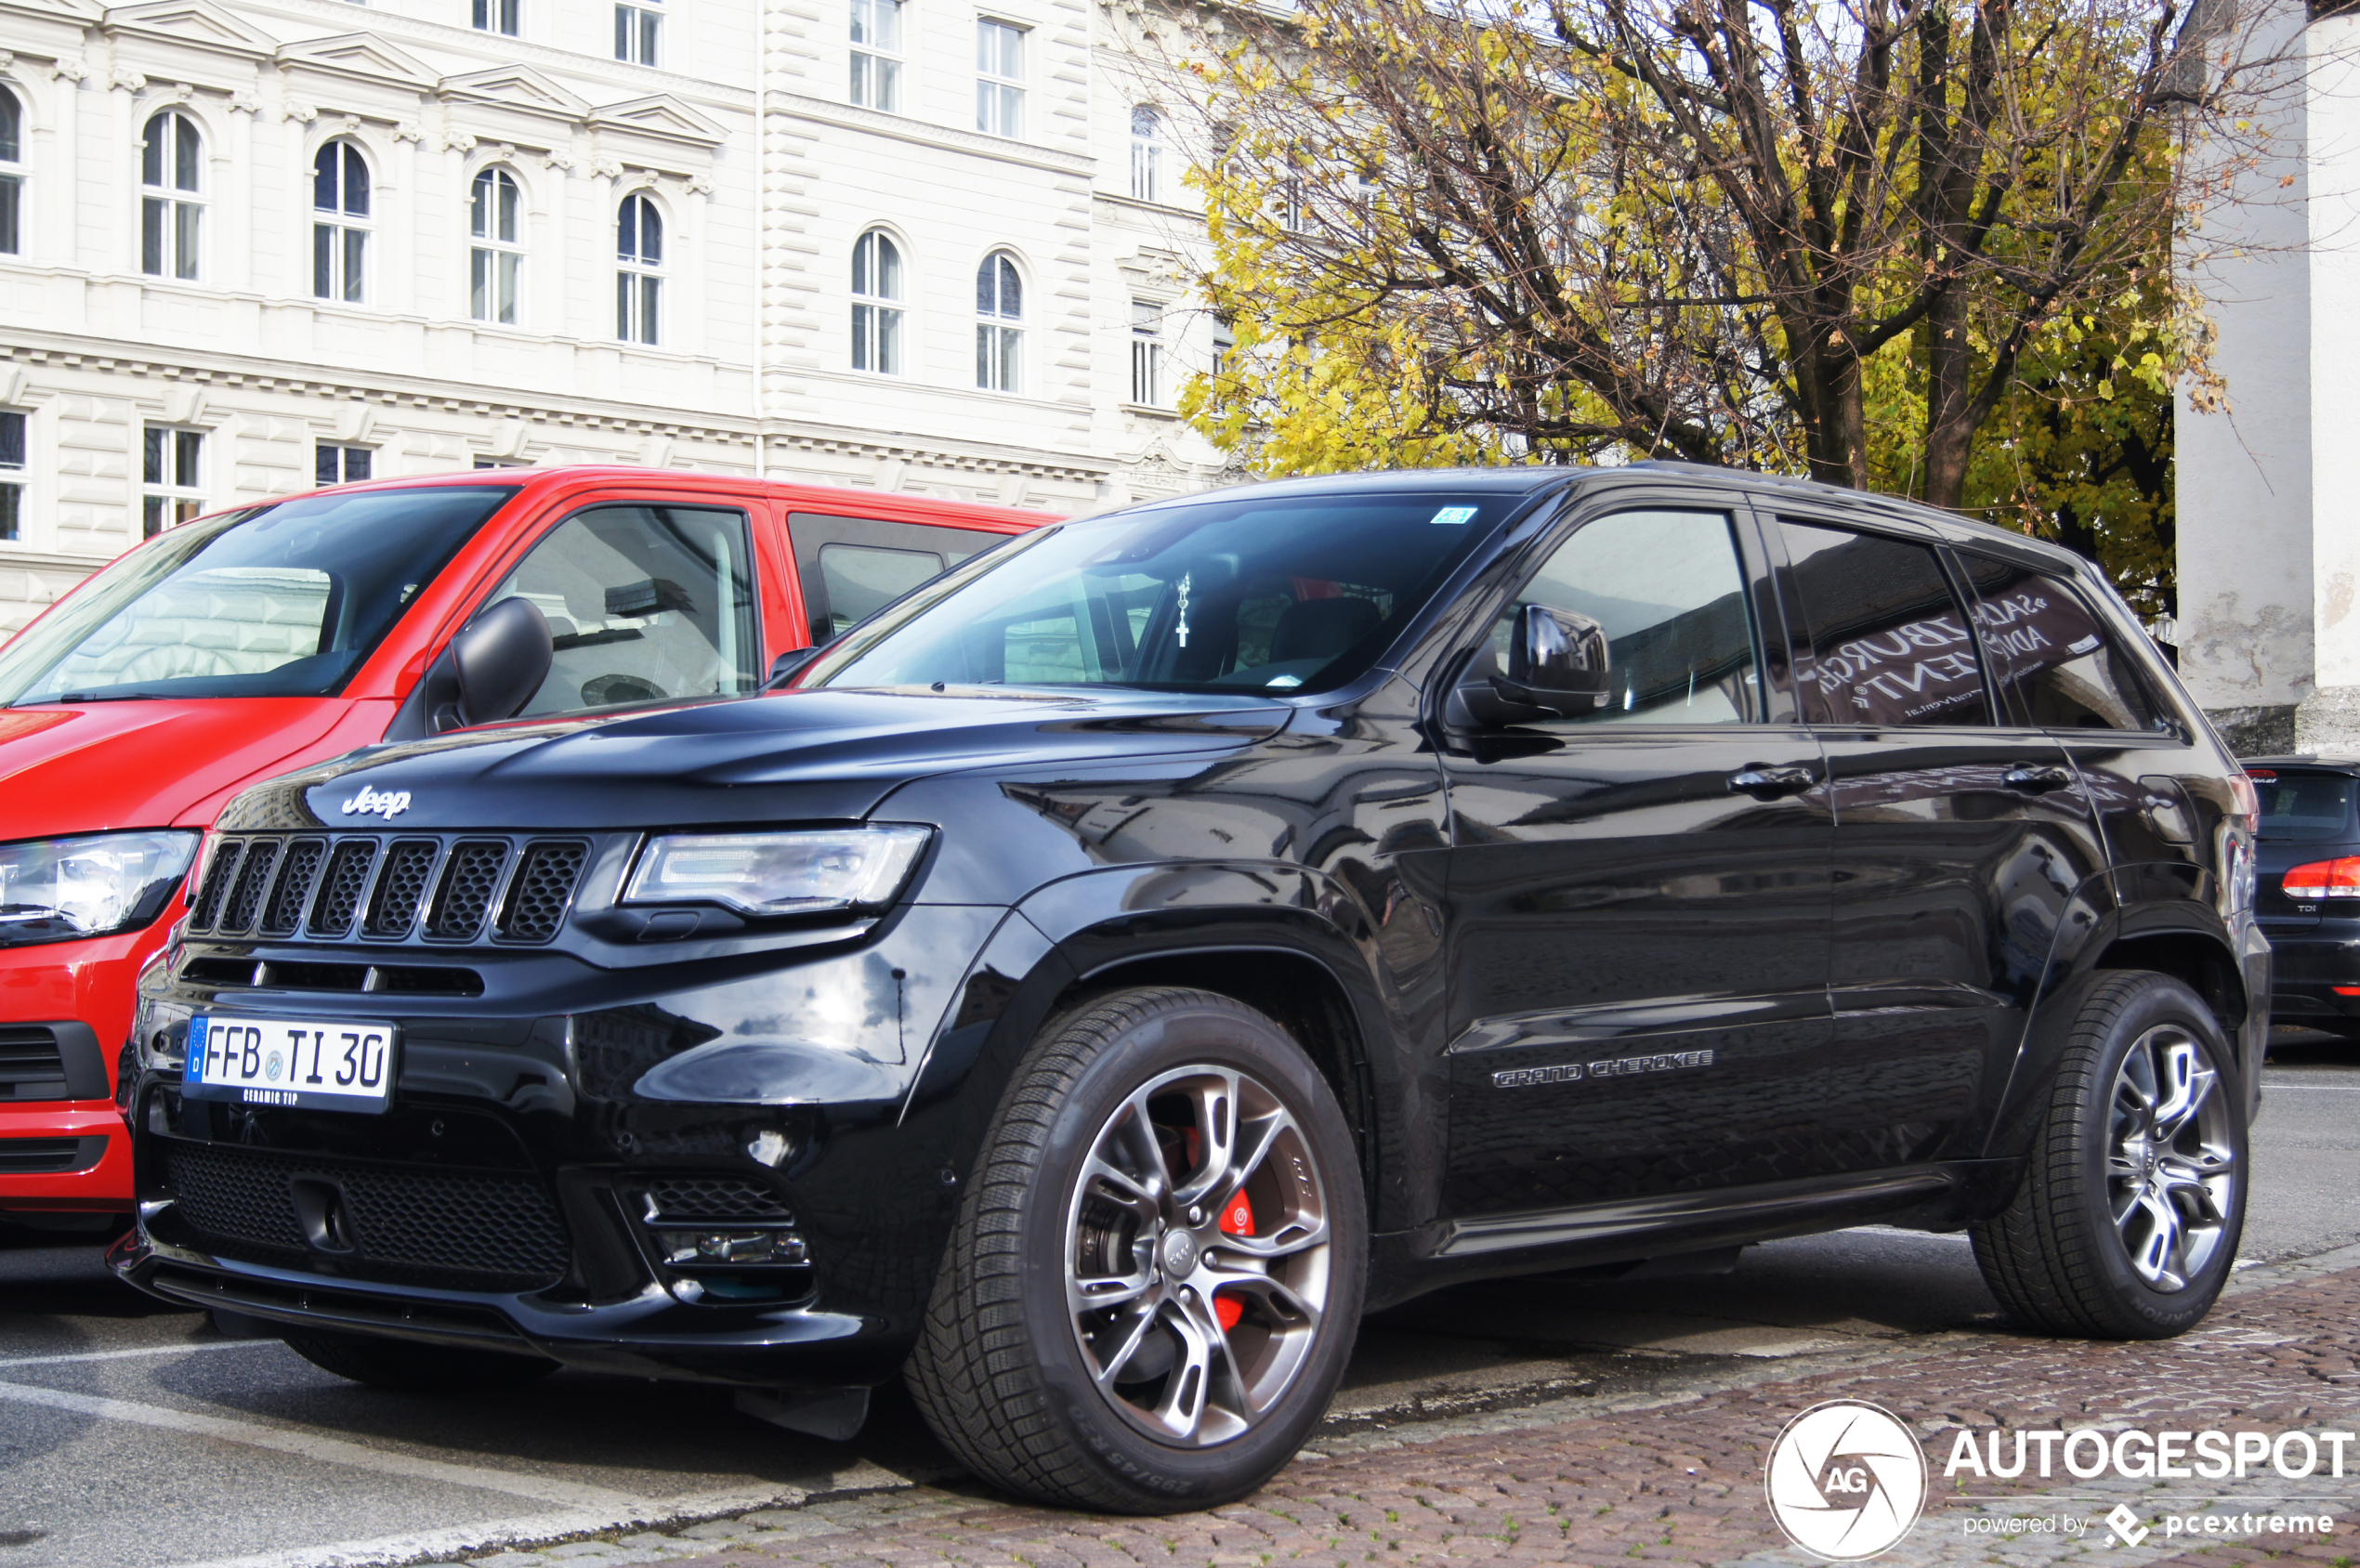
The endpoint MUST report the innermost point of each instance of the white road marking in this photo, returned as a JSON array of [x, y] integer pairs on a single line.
[[331, 1450], [151, 1350], [470, 1538]]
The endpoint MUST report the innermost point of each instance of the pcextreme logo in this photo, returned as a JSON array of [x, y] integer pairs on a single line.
[[1845, 1481]]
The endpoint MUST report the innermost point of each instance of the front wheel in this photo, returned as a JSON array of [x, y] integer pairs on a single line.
[[1156, 1278], [2128, 1220]]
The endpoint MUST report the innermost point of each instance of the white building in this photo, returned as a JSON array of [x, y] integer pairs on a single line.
[[2269, 526], [247, 245]]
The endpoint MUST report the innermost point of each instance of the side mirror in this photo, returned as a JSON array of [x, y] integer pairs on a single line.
[[491, 668], [788, 665], [1557, 660]]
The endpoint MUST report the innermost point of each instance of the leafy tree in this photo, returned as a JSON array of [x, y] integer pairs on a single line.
[[1845, 240]]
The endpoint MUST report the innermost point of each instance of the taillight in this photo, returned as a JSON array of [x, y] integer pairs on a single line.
[[2248, 800], [2338, 877]]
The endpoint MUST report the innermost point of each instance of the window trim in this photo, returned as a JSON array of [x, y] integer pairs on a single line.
[[174, 493], [16, 173], [639, 283], [182, 208], [491, 245], [872, 336], [893, 59], [1001, 326], [1012, 91], [342, 221]]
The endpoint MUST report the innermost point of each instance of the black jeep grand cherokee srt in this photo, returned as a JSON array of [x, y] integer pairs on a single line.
[[1089, 984]]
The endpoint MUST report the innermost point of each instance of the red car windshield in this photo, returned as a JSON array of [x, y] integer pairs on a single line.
[[276, 601]]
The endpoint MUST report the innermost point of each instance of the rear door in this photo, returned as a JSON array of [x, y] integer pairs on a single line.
[[1962, 837]]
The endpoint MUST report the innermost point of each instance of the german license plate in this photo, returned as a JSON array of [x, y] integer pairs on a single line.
[[303, 1062]]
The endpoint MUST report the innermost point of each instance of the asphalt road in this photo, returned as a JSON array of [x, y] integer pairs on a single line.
[[134, 1434]]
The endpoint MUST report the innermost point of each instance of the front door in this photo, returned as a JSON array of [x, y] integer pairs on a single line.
[[1638, 897], [1962, 839]]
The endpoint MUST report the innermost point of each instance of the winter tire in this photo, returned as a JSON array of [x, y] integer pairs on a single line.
[[2127, 1222], [406, 1367], [1155, 1276]]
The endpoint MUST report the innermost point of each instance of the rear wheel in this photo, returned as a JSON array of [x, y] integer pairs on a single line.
[[2128, 1220], [408, 1367], [1156, 1278]]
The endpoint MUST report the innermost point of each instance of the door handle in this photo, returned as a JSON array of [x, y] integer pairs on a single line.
[[1770, 783], [2035, 778]]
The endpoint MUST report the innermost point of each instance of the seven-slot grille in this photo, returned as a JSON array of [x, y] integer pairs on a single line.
[[413, 887]]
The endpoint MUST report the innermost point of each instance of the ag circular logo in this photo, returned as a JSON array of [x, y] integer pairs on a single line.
[[271, 1066], [1845, 1481]]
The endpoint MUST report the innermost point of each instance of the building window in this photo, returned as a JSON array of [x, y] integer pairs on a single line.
[[637, 29], [11, 474], [171, 471], [1224, 349], [639, 284], [999, 78], [496, 16], [11, 181], [496, 258], [171, 216], [876, 304], [1147, 353], [340, 466], [1146, 152], [876, 54], [499, 463], [1000, 324], [339, 223]]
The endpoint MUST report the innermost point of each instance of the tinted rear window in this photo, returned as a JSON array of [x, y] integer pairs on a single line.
[[2298, 804]]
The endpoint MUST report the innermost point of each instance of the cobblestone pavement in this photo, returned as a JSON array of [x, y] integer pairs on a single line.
[[1679, 1478]]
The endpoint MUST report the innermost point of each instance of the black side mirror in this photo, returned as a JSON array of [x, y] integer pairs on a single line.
[[788, 665], [491, 668], [500, 657], [1557, 660]]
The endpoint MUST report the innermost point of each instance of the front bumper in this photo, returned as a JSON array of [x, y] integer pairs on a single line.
[[519, 1190], [63, 1148]]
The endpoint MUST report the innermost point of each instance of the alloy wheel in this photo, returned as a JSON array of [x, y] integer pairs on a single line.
[[2171, 1164], [1198, 1255]]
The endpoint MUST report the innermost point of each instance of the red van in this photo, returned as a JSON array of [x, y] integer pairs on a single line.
[[257, 640]]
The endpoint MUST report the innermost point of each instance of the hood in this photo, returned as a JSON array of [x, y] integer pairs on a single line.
[[86, 767], [807, 755]]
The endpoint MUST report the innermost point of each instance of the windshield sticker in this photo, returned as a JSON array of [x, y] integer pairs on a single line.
[[1452, 517]]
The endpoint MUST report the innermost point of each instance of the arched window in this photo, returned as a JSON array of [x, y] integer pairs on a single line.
[[496, 258], [876, 303], [339, 223], [171, 184], [1146, 152], [999, 325], [638, 281], [11, 179]]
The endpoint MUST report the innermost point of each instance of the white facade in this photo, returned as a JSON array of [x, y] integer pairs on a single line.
[[167, 347], [2269, 522]]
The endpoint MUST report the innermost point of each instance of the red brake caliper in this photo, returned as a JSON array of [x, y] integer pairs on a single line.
[[1238, 1220]]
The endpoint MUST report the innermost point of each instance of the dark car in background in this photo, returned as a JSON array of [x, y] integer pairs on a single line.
[[1095, 979], [2309, 897]]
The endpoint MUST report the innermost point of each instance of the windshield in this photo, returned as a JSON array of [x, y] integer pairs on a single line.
[[280, 601], [1279, 592], [2299, 806]]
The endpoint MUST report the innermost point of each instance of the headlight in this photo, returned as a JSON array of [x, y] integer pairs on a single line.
[[780, 873], [55, 889]]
